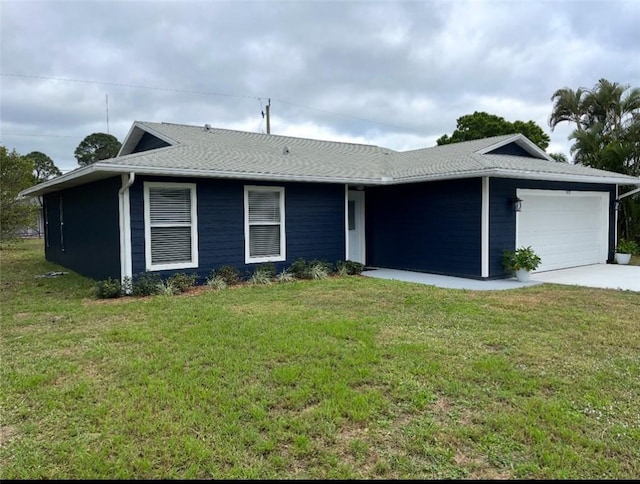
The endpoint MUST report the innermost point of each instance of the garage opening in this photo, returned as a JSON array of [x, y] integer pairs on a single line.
[[566, 228]]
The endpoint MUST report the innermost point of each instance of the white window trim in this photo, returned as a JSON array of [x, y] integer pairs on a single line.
[[283, 255], [147, 227]]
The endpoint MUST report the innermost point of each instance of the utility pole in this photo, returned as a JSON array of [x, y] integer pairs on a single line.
[[106, 100], [268, 108]]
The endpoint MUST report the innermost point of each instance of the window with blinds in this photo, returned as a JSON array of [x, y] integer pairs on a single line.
[[264, 224], [170, 225]]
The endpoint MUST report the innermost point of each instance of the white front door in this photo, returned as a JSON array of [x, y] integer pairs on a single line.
[[355, 216]]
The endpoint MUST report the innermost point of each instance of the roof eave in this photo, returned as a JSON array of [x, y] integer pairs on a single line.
[[527, 175]]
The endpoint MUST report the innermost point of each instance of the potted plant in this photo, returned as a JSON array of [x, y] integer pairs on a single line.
[[625, 249], [521, 261]]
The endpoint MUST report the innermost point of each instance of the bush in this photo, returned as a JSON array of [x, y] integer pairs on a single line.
[[267, 268], [300, 269], [108, 289], [182, 282], [349, 268], [146, 284], [319, 269], [262, 275], [216, 282], [285, 276], [229, 274], [166, 288]]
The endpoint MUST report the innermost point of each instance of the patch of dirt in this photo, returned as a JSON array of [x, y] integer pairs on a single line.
[[7, 434]]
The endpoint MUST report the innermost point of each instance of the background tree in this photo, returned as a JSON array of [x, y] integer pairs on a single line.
[[96, 147], [43, 167], [16, 174], [559, 157], [483, 125], [606, 135]]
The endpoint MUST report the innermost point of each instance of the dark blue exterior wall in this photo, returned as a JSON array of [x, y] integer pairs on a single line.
[[511, 149], [314, 223], [429, 227], [502, 218], [149, 142], [88, 241]]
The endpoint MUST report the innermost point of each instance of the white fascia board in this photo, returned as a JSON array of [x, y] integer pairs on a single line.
[[41, 188], [524, 142], [528, 175], [533, 175]]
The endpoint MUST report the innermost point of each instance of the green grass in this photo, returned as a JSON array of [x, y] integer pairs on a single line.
[[343, 378]]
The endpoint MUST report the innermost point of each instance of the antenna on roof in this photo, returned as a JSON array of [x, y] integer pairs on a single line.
[[207, 127]]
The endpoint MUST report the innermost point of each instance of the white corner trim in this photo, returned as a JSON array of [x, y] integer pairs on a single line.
[[283, 233], [346, 221], [124, 219], [147, 227], [485, 228]]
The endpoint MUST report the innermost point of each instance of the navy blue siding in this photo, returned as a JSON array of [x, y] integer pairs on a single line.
[[428, 227], [89, 240], [502, 218], [511, 149], [314, 223], [149, 142]]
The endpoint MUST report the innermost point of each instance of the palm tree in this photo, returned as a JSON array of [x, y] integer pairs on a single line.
[[569, 106]]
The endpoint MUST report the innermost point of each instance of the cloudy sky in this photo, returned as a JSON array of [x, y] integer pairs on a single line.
[[389, 73]]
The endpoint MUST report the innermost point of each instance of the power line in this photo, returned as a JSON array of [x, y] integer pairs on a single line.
[[40, 135], [209, 93]]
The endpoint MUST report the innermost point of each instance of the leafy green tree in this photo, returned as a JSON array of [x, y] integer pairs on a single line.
[[559, 157], [43, 167], [606, 135], [96, 147], [16, 174], [484, 125]]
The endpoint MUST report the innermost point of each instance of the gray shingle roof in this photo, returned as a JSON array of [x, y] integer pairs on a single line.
[[214, 152]]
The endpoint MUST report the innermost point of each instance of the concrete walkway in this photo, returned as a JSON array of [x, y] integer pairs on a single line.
[[607, 276], [447, 281]]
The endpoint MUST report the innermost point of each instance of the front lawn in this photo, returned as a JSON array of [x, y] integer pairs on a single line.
[[345, 378]]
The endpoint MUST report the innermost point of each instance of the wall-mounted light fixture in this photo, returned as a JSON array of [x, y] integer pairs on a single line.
[[617, 204], [517, 204]]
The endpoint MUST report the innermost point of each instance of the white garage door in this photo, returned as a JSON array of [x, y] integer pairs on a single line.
[[566, 228]]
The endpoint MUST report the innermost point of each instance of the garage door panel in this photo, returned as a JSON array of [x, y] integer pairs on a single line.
[[566, 229]]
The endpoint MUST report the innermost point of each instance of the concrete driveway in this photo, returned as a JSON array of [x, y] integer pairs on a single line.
[[606, 276]]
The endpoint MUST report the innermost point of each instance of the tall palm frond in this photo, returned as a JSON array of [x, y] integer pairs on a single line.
[[568, 105]]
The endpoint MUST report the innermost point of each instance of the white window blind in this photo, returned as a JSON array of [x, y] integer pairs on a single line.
[[264, 218], [171, 227]]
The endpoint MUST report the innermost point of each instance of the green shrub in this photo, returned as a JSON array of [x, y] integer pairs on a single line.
[[300, 269], [261, 275], [285, 276], [349, 268], [166, 288], [229, 274], [267, 268], [319, 269], [216, 282], [146, 284], [108, 289], [182, 282]]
